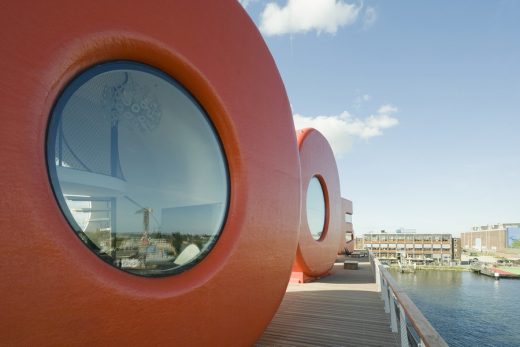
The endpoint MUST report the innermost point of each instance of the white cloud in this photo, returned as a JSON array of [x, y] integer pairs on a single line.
[[300, 16], [341, 130], [369, 17], [387, 109]]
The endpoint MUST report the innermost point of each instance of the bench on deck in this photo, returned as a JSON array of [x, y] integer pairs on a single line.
[[350, 265]]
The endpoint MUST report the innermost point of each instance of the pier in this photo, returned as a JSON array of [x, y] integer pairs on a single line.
[[348, 308], [496, 272], [342, 309]]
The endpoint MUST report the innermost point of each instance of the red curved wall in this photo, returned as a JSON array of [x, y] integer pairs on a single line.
[[316, 258], [55, 291]]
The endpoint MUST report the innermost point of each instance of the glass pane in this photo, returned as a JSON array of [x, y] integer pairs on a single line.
[[315, 208], [137, 168]]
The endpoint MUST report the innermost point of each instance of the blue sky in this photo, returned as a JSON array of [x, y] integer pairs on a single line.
[[420, 101]]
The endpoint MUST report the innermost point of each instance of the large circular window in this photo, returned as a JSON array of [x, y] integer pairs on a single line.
[[137, 168], [315, 208]]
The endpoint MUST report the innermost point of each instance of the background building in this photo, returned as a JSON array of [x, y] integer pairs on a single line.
[[492, 238], [359, 243], [349, 231], [405, 231], [456, 248], [414, 247]]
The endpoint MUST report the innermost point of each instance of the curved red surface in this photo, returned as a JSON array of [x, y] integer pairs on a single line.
[[316, 258], [54, 290]]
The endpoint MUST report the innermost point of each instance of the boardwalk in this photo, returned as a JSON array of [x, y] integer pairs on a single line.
[[343, 309]]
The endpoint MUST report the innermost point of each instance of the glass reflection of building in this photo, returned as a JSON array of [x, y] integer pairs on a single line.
[[137, 168]]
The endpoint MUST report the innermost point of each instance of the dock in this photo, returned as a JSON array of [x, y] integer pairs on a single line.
[[342, 309], [496, 272]]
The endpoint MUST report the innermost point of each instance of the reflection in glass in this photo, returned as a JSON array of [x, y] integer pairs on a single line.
[[137, 168], [315, 208]]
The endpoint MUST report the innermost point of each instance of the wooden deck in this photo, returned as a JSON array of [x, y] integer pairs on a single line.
[[343, 309]]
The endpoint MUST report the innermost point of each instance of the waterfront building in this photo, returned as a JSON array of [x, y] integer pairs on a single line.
[[405, 231], [359, 243], [349, 244], [456, 248], [491, 238], [413, 247]]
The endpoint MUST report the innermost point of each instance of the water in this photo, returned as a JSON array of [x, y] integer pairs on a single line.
[[467, 309]]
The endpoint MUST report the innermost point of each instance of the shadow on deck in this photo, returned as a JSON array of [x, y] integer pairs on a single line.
[[343, 309]]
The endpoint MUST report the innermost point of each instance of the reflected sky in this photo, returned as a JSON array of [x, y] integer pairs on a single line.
[[315, 208]]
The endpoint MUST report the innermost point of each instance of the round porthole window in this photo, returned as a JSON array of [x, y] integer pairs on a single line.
[[315, 208], [137, 168]]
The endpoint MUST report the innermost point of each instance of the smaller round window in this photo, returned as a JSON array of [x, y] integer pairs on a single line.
[[315, 208]]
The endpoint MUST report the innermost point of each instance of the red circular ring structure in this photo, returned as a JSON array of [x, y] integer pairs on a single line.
[[315, 258], [54, 290]]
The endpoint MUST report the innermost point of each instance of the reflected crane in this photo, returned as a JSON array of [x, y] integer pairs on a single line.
[[145, 240]]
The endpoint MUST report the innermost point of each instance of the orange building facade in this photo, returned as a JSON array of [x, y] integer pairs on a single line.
[[96, 103], [316, 253]]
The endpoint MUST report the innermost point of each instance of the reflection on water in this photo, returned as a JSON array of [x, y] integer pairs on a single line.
[[466, 309]]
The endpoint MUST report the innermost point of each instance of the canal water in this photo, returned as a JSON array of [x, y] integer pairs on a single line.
[[467, 309]]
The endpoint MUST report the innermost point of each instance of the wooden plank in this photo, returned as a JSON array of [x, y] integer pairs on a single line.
[[343, 309]]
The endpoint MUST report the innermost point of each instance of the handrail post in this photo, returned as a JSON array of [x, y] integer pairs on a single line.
[[384, 294], [403, 328], [405, 318], [393, 314], [378, 277]]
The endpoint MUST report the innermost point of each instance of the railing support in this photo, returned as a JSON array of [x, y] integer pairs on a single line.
[[384, 294], [393, 314], [378, 276], [405, 318], [403, 331]]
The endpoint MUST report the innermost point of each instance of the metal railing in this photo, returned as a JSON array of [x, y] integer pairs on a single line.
[[405, 318]]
